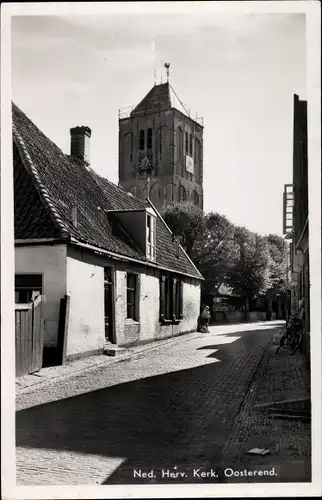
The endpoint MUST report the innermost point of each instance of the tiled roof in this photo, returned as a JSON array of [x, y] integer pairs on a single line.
[[49, 185], [158, 99]]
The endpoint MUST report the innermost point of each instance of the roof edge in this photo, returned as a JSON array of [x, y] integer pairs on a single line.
[[118, 256], [43, 193], [171, 232]]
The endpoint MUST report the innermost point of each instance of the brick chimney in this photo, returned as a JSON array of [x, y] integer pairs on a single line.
[[79, 143]]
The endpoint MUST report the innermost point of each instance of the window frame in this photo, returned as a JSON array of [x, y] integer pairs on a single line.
[[133, 289], [149, 139], [186, 141], [142, 140], [171, 299], [182, 193], [150, 236], [31, 290]]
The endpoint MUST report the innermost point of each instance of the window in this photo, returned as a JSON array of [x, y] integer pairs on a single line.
[[150, 236], [27, 287], [195, 198], [198, 162], [131, 296], [186, 142], [180, 143], [182, 194], [190, 146], [159, 143], [171, 299], [142, 140], [179, 300], [149, 139]]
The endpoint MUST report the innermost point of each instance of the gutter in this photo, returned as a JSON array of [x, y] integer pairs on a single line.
[[39, 241], [117, 256]]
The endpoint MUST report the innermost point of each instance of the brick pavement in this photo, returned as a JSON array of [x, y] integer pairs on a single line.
[[175, 406], [280, 378]]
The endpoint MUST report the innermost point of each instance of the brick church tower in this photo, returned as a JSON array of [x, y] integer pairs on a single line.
[[161, 149]]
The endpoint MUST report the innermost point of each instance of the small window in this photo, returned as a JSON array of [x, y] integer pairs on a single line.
[[190, 146], [186, 142], [149, 139], [180, 143], [131, 297], [159, 143], [171, 299], [142, 140], [182, 194], [150, 237], [179, 300], [27, 287]]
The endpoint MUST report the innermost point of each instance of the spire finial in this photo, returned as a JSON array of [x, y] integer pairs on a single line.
[[167, 67], [155, 77]]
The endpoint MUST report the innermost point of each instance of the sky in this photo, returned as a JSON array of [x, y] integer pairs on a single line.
[[239, 72]]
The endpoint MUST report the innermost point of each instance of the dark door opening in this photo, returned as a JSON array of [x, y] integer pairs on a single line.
[[108, 305]]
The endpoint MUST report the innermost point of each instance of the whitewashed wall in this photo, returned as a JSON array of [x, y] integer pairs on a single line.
[[50, 261], [149, 327], [85, 286]]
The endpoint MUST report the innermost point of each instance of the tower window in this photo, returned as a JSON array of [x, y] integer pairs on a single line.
[[190, 145], [198, 162], [195, 198], [142, 140], [158, 143], [186, 142], [149, 139], [180, 143], [182, 194]]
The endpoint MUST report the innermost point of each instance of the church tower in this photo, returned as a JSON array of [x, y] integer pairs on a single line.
[[161, 149]]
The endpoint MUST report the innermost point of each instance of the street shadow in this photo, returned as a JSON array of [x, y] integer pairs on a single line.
[[221, 348], [154, 422]]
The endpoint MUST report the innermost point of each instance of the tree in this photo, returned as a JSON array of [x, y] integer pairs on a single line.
[[186, 221], [215, 252], [249, 276], [279, 269]]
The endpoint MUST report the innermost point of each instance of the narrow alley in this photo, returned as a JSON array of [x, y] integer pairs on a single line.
[[174, 408]]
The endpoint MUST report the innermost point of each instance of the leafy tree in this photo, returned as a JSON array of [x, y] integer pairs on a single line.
[[249, 276], [215, 252], [253, 266], [279, 270], [186, 221]]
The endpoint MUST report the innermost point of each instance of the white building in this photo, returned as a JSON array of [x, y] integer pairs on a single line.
[[105, 262]]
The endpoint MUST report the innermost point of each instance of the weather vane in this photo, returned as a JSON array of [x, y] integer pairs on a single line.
[[167, 67]]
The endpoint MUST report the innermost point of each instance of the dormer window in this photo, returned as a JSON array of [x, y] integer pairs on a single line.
[[150, 236]]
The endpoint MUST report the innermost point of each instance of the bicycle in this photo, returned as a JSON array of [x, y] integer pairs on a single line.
[[293, 336]]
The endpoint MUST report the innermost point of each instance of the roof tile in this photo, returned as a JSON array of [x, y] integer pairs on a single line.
[[48, 187]]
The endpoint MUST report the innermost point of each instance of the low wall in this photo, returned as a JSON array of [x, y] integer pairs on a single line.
[[237, 316]]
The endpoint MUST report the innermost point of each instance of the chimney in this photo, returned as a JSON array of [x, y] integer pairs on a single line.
[[79, 143]]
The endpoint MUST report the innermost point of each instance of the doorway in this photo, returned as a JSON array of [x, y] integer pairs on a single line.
[[109, 305]]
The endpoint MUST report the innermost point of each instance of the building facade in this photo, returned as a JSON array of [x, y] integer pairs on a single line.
[[107, 254], [296, 219], [161, 150]]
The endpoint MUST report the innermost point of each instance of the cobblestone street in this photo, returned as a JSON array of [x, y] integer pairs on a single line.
[[184, 405]]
